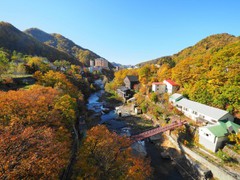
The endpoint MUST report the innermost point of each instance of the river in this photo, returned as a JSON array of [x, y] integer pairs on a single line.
[[163, 168]]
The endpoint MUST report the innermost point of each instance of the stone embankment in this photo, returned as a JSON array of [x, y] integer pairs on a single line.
[[217, 171]]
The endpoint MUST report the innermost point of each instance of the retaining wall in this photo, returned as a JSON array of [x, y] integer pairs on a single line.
[[218, 172]]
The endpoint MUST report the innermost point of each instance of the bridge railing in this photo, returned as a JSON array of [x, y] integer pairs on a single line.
[[157, 130]]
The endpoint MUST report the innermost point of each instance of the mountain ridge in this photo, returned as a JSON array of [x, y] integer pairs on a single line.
[[210, 44], [64, 44], [12, 39]]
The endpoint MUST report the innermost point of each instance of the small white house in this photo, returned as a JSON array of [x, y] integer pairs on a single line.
[[172, 87], [159, 87], [201, 112], [213, 137]]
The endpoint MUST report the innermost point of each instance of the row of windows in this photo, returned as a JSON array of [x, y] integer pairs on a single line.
[[193, 112]]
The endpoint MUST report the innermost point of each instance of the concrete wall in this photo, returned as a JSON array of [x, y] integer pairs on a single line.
[[231, 153], [169, 87], [207, 144], [204, 132], [220, 142], [127, 82], [217, 171], [207, 139]]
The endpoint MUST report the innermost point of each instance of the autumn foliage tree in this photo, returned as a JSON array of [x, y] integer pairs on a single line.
[[58, 81], [105, 155], [34, 139], [235, 138], [32, 153]]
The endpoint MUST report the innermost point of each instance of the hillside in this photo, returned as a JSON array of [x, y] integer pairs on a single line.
[[159, 61], [63, 44], [206, 46], [207, 72], [121, 65], [13, 39]]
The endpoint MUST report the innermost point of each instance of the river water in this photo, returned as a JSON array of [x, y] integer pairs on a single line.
[[163, 168]]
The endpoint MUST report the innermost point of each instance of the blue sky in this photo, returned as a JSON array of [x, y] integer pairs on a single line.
[[127, 31]]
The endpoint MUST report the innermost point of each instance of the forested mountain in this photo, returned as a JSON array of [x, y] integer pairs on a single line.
[[208, 45], [121, 65], [159, 61], [13, 39], [208, 72], [63, 44]]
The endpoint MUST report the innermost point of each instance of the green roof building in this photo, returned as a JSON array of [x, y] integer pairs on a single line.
[[213, 137]]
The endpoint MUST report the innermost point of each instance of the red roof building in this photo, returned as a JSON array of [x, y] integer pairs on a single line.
[[172, 87], [171, 82]]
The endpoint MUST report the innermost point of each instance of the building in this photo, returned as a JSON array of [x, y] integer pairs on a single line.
[[91, 63], [200, 112], [138, 110], [172, 87], [101, 62], [117, 68], [95, 68], [213, 137], [130, 81], [124, 92], [175, 97], [159, 87]]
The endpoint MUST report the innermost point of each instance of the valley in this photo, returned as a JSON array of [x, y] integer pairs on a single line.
[[68, 113]]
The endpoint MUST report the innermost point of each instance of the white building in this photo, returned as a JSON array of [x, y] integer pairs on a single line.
[[95, 68], [158, 87], [101, 62], [175, 97], [172, 87], [201, 112], [91, 63], [213, 137]]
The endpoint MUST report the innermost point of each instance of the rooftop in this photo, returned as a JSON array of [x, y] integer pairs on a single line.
[[171, 82], [123, 88], [212, 112], [132, 78], [158, 83], [223, 128], [176, 96]]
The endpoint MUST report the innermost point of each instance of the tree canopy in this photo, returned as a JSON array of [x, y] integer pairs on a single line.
[[105, 155], [34, 141]]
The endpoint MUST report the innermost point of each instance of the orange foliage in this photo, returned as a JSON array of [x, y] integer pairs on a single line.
[[28, 107], [105, 155], [34, 141], [30, 153]]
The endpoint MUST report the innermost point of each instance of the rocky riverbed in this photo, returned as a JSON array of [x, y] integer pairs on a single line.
[[127, 125]]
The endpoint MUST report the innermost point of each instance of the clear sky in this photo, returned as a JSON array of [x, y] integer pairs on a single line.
[[127, 31]]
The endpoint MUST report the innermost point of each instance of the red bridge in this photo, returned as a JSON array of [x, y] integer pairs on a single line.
[[157, 130]]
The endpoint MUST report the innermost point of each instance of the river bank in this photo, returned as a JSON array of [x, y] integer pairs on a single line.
[[131, 124]]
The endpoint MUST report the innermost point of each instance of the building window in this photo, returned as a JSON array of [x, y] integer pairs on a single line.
[[201, 116], [185, 109], [194, 112]]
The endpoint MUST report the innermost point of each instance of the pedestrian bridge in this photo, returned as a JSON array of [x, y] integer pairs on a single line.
[[157, 130]]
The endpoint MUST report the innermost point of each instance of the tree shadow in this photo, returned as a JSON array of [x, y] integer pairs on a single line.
[[189, 168]]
